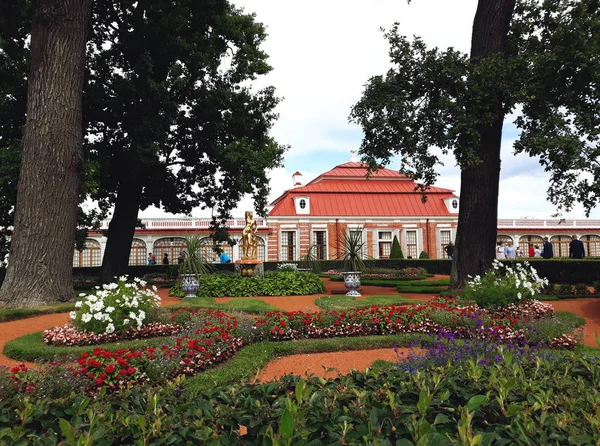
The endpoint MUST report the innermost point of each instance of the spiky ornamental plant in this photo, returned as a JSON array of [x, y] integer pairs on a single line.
[[351, 252]]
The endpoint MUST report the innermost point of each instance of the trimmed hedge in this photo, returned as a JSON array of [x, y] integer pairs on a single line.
[[273, 284]]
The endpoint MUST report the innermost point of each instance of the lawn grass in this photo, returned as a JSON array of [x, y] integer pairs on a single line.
[[420, 289], [13, 314], [381, 279], [243, 304], [342, 302], [31, 348], [247, 363], [570, 318]]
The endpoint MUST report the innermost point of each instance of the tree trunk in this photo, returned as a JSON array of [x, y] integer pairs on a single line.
[[122, 228], [40, 269], [478, 212]]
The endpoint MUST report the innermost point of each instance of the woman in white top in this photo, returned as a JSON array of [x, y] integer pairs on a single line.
[[500, 251], [537, 251]]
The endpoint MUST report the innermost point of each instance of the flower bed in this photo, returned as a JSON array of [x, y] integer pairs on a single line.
[[208, 337]]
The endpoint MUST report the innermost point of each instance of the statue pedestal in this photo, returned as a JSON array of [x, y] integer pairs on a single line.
[[250, 268]]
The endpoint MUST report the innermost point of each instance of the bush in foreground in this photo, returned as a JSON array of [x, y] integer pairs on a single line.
[[517, 398]]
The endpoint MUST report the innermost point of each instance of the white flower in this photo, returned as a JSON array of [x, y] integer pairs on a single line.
[[132, 315], [143, 282], [110, 309], [126, 321], [72, 315], [519, 296], [110, 328], [123, 279], [86, 317], [78, 304], [154, 288], [99, 316], [82, 294]]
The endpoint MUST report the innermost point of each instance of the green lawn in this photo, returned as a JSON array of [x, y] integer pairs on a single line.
[[348, 302], [13, 314], [243, 304]]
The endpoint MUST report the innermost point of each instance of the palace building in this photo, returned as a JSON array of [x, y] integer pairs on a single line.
[[384, 205]]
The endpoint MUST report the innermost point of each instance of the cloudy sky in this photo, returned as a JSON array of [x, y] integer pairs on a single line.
[[323, 52]]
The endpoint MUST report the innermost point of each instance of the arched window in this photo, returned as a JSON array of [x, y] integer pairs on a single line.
[[90, 256], [560, 245], [591, 244], [504, 239], [207, 250], [526, 241], [137, 255], [171, 246]]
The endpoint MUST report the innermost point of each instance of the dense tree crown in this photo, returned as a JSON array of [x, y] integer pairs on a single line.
[[539, 56], [440, 98]]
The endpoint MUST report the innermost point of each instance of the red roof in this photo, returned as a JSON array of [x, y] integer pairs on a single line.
[[344, 191]]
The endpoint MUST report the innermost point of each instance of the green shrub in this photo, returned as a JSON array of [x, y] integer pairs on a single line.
[[116, 307], [423, 255], [279, 283], [503, 285], [518, 400], [396, 252]]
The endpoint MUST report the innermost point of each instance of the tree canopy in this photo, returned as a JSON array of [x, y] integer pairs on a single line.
[[438, 98], [542, 59]]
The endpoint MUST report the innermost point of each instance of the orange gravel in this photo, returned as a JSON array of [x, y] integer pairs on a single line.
[[329, 365]]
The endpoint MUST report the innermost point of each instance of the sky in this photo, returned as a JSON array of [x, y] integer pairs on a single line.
[[322, 54]]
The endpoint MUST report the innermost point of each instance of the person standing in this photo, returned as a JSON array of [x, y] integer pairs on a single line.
[[547, 249], [150, 261], [449, 249], [166, 259], [531, 250], [576, 249], [500, 254], [181, 258], [537, 251], [510, 251]]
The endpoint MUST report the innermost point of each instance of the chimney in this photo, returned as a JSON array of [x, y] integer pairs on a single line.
[[297, 179], [353, 157]]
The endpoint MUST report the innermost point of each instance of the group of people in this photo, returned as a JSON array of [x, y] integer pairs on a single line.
[[165, 260], [546, 251]]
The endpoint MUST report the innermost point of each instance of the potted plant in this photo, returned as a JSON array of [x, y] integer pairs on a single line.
[[351, 253], [192, 267]]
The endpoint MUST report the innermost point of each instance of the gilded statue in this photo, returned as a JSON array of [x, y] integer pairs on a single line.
[[249, 241]]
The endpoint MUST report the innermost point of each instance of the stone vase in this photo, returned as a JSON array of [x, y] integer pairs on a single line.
[[189, 284], [352, 282]]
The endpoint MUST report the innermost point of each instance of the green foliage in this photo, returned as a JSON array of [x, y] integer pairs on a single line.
[[273, 284], [246, 305], [344, 302], [396, 252], [310, 260], [423, 255], [13, 314], [193, 263], [352, 250], [116, 307], [438, 98], [149, 64], [503, 285], [551, 400]]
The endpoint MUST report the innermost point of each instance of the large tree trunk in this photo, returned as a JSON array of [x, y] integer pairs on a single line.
[[122, 228], [40, 268], [478, 212]]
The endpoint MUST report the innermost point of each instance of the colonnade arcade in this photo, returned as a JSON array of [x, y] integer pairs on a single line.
[[560, 243], [92, 254]]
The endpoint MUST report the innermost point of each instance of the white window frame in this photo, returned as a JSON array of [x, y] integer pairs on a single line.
[[312, 237], [381, 240], [296, 244]]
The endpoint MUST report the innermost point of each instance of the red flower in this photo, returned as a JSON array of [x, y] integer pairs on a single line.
[[99, 381], [110, 368]]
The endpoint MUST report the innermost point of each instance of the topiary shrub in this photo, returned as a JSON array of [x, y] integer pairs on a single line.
[[280, 283], [423, 255], [396, 253]]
